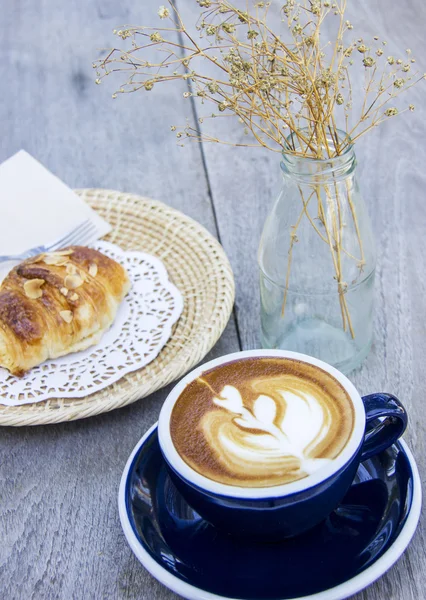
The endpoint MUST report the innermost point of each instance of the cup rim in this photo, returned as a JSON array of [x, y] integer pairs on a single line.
[[183, 470]]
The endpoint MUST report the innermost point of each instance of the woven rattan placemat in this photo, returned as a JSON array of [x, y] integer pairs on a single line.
[[196, 264]]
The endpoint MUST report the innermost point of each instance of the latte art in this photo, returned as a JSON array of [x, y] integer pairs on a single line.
[[254, 437], [272, 422]]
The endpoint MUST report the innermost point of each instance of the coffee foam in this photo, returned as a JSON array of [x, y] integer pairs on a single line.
[[260, 422]]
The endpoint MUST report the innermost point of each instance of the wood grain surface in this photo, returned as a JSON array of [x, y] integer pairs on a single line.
[[60, 536]]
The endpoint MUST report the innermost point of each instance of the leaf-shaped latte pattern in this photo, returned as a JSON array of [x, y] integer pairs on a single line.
[[265, 410], [305, 422], [230, 398]]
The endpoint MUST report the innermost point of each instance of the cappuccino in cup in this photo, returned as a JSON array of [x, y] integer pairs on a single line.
[[266, 443], [261, 421]]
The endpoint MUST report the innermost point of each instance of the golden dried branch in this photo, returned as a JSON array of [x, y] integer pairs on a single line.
[[275, 83]]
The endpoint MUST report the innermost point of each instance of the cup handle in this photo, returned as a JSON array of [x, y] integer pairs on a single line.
[[382, 434]]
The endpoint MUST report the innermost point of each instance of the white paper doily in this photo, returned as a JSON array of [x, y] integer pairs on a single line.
[[142, 327]]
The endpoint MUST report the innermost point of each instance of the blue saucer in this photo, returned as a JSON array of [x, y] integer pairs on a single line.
[[354, 546]]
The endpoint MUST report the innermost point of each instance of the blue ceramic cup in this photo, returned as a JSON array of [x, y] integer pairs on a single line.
[[289, 509]]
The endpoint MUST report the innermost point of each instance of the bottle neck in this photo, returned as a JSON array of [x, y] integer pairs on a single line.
[[299, 164], [319, 171]]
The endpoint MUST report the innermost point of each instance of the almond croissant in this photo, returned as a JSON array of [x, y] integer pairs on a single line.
[[57, 303]]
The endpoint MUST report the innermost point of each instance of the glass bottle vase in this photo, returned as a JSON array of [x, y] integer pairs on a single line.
[[317, 263]]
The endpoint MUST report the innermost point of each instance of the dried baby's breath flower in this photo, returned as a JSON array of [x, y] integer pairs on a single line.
[[64, 291], [369, 61], [124, 33], [155, 37], [228, 27], [316, 8], [411, 108], [213, 87], [252, 34], [276, 84], [288, 7], [163, 12]]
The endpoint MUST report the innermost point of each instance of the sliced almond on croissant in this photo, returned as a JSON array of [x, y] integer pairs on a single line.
[[93, 270], [32, 288], [73, 281], [64, 252], [55, 259], [66, 315], [71, 269]]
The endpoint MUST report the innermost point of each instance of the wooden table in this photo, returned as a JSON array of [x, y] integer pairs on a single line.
[[60, 536]]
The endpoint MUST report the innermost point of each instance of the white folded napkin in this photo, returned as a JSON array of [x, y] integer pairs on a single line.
[[37, 208]]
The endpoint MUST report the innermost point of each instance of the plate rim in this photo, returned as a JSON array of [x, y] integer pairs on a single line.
[[339, 592]]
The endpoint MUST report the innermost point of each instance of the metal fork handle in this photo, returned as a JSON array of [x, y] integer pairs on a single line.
[[23, 256], [82, 233]]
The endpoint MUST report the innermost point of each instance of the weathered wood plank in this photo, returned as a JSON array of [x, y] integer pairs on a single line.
[[59, 528], [58, 485]]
